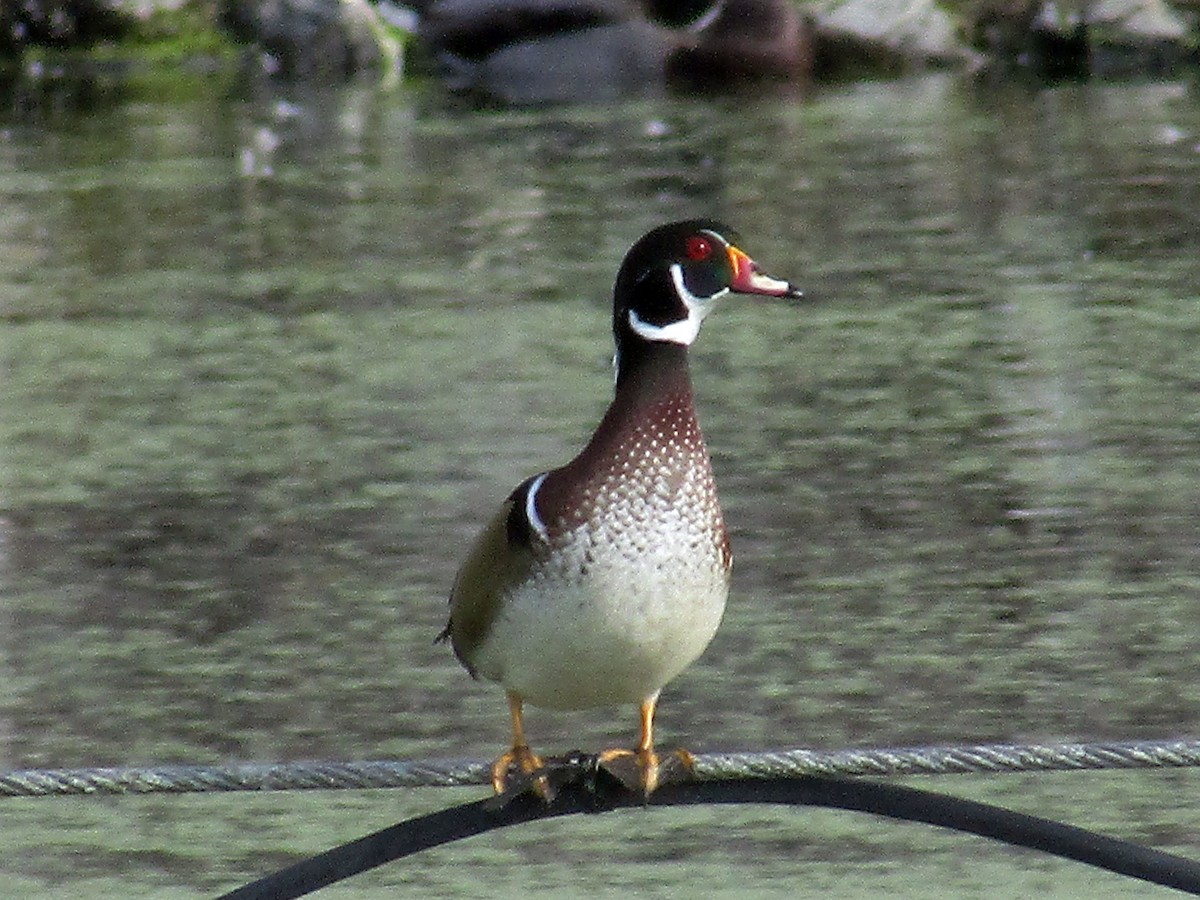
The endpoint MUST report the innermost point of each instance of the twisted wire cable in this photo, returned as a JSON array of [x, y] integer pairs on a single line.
[[993, 758], [984, 758]]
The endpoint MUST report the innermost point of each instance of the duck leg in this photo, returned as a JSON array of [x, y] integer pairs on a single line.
[[642, 769], [529, 765]]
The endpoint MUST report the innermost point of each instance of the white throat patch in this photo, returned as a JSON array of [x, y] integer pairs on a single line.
[[683, 331]]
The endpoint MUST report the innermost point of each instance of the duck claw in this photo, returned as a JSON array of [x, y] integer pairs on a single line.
[[645, 771], [520, 770]]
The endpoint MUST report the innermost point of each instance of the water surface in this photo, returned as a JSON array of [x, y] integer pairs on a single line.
[[270, 361]]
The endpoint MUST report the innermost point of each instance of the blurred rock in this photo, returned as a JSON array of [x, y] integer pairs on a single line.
[[531, 51], [1136, 36], [58, 23], [310, 38], [884, 35], [701, 42], [1072, 38]]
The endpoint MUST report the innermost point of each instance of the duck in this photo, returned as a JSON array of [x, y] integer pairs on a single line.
[[539, 51], [598, 582]]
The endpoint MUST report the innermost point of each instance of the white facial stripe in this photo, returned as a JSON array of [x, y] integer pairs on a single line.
[[690, 300], [531, 513], [683, 331]]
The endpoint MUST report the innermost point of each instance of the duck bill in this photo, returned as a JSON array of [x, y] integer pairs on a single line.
[[747, 279]]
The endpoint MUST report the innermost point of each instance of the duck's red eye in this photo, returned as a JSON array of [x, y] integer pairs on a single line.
[[699, 248]]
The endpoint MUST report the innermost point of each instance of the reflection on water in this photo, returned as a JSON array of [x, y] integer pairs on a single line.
[[269, 362]]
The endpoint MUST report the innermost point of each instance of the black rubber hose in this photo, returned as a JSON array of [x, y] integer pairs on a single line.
[[597, 792]]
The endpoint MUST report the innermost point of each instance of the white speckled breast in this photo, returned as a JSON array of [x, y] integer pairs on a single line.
[[630, 585]]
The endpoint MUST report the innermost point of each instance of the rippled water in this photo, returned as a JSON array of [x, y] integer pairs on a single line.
[[270, 361]]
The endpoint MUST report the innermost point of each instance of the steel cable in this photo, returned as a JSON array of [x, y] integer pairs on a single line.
[[180, 779]]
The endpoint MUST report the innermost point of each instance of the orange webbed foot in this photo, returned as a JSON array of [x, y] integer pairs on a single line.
[[644, 770], [530, 773]]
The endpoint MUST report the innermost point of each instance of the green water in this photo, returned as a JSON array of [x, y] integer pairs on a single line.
[[270, 361]]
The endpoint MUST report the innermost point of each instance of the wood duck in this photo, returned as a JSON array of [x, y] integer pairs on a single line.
[[598, 582]]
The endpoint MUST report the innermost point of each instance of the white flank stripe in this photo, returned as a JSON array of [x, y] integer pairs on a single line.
[[531, 513], [707, 19]]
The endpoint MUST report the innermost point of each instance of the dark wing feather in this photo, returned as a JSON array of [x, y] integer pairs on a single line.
[[500, 559]]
